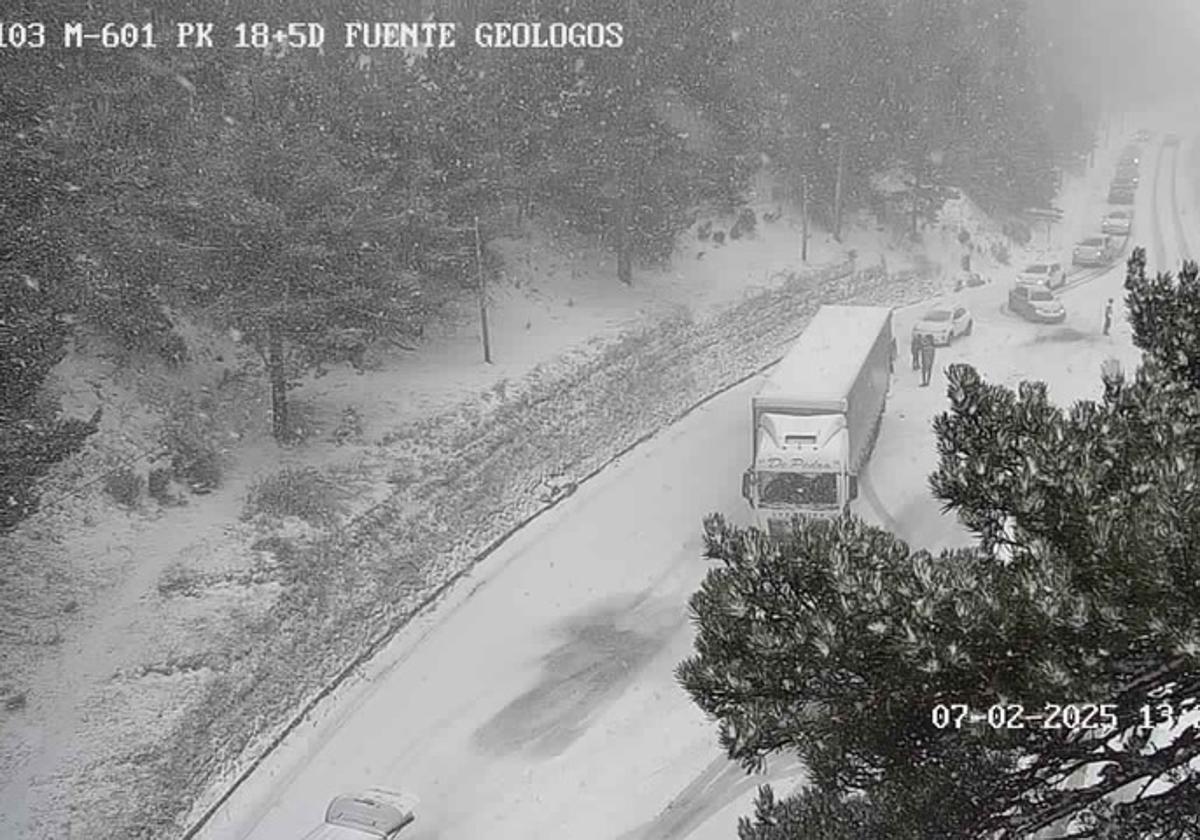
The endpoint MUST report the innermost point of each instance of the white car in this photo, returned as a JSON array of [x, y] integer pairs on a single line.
[[1038, 305], [945, 324], [1118, 222], [1095, 250], [373, 814], [1048, 275]]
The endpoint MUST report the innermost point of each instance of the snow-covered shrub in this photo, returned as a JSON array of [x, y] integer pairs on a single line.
[[124, 486], [303, 493]]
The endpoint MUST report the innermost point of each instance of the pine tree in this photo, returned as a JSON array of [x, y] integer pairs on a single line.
[[315, 232], [39, 283]]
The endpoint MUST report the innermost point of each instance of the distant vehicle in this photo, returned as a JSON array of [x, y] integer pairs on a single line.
[[817, 416], [1118, 222], [945, 324], [1047, 275], [1144, 136], [1121, 195], [1130, 156], [1095, 250], [969, 279], [1171, 139], [1127, 174], [1034, 304], [374, 814]]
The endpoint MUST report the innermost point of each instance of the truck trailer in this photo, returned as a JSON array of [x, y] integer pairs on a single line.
[[816, 417]]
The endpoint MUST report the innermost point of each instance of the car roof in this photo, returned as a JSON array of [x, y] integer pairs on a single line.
[[374, 812], [325, 831]]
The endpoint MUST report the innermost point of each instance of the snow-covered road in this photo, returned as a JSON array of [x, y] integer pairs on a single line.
[[538, 700]]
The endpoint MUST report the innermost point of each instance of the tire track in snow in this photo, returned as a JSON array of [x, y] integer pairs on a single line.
[[1160, 246], [716, 787], [1185, 253]]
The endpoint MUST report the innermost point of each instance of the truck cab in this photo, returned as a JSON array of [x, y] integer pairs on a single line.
[[800, 469]]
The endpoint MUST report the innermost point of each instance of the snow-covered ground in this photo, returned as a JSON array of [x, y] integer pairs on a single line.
[[122, 617], [539, 699], [105, 662]]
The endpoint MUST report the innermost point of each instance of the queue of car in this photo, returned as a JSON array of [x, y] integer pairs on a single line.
[[1125, 181]]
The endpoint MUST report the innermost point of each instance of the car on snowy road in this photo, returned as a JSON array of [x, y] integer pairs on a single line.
[[1121, 194], [373, 814], [1130, 156], [1123, 184], [969, 279], [944, 324], [1034, 304], [1127, 174], [1171, 140], [1094, 251], [1144, 136], [1118, 222], [1048, 275]]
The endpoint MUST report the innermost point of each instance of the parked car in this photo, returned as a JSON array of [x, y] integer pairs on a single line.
[[1049, 275], [1171, 139], [1034, 304], [1144, 136], [373, 814], [1095, 250], [1118, 222], [1121, 194], [945, 324]]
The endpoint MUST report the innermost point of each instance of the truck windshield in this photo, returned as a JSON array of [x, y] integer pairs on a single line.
[[778, 489]]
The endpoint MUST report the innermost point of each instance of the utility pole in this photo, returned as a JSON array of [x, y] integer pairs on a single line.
[[804, 218], [483, 319], [837, 190]]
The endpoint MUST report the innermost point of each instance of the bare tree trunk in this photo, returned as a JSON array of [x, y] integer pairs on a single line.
[[837, 193], [280, 427], [624, 240]]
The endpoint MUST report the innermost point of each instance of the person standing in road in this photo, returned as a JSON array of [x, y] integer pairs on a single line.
[[916, 351], [1108, 316], [927, 353]]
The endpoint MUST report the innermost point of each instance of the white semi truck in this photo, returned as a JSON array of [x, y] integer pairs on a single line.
[[817, 416]]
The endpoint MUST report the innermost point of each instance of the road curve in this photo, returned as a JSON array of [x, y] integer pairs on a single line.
[[539, 700]]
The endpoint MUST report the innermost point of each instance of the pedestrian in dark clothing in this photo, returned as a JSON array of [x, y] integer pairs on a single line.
[[927, 353], [1108, 316], [916, 351]]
